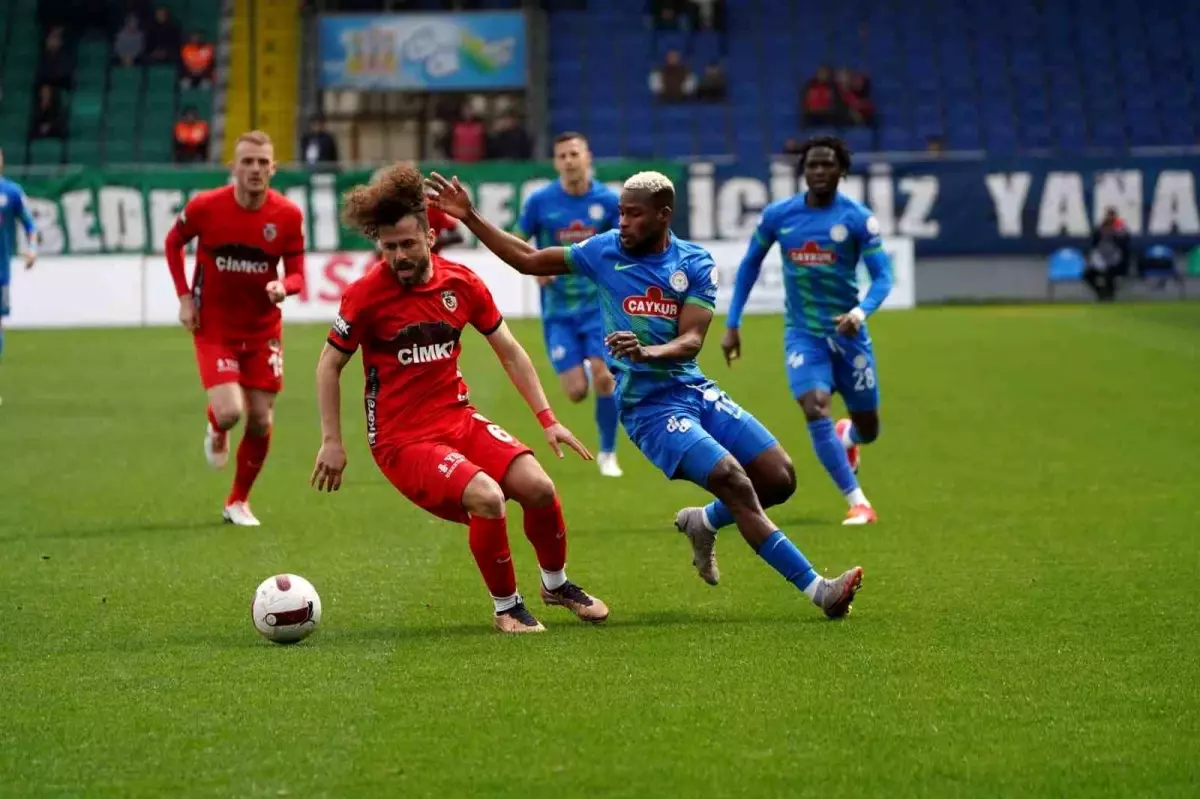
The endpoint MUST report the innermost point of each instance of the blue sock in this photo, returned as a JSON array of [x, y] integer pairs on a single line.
[[832, 454], [784, 558], [1, 341], [717, 514], [606, 420]]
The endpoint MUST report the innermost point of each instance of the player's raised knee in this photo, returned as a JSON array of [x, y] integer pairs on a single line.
[[577, 393], [728, 478], [815, 405], [866, 429], [483, 497], [227, 416], [779, 483]]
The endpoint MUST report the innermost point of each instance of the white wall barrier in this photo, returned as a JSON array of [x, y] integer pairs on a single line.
[[132, 290]]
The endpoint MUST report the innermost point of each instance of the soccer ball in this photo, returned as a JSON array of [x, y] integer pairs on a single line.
[[286, 609]]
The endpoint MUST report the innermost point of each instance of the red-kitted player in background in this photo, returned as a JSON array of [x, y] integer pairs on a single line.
[[407, 314], [232, 306]]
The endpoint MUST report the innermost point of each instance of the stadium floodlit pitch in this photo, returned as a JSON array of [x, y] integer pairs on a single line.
[[1027, 626]]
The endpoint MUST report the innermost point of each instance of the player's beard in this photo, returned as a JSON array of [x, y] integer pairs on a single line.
[[414, 270]]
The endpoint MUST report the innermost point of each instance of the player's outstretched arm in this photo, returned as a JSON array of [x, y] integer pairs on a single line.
[[693, 327], [521, 372], [450, 197], [331, 458], [747, 275], [31, 233]]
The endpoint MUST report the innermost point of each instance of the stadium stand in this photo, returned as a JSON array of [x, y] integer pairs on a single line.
[[115, 114], [1065, 75]]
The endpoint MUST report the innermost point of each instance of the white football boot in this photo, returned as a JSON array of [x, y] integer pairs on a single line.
[[607, 461], [239, 513], [216, 447]]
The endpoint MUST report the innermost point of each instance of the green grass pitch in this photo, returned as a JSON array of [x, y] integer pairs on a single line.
[[1027, 627]]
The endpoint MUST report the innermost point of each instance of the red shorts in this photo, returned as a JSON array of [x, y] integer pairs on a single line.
[[434, 474], [253, 363]]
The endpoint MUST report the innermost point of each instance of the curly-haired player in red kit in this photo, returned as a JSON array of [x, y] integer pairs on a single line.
[[232, 306], [407, 313]]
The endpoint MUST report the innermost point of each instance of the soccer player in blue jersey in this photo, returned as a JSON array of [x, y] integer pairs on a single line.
[[657, 294], [569, 211], [13, 209], [822, 234]]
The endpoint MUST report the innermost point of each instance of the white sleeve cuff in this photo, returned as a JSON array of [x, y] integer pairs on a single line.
[[859, 314]]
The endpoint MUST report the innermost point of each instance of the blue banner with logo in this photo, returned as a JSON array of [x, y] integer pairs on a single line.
[[994, 206], [423, 52]]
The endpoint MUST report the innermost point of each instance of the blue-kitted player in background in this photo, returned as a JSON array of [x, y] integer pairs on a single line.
[[569, 211], [657, 294], [822, 234], [13, 209]]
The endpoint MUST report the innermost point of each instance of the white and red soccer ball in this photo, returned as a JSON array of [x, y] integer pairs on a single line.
[[286, 608]]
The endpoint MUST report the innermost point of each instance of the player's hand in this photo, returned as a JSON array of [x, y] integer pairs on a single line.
[[276, 291], [847, 324], [731, 345], [331, 462], [448, 196], [625, 344], [187, 314], [30, 258], [557, 434], [545, 280]]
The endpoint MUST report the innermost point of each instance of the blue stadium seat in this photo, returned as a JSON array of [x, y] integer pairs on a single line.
[[1066, 265]]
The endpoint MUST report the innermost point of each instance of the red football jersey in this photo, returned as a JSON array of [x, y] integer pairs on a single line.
[[237, 256], [439, 222], [410, 338]]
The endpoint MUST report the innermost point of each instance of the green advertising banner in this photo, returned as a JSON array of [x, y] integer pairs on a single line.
[[112, 211]]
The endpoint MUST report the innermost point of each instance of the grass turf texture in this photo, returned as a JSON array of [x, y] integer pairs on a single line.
[[1027, 625]]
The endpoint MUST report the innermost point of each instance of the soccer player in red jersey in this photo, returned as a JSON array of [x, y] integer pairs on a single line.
[[407, 314], [232, 306], [445, 230]]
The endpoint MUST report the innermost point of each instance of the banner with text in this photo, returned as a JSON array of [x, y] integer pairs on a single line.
[[985, 207], [427, 52], [92, 211], [135, 290]]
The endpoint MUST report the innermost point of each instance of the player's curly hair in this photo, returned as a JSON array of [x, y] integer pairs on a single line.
[[394, 192], [841, 151]]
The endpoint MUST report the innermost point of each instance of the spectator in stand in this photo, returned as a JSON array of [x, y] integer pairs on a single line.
[[130, 42], [55, 67], [468, 136], [709, 14], [817, 99], [196, 63], [712, 86], [853, 103], [1109, 256], [670, 15], [163, 41], [191, 138], [48, 119], [673, 81], [509, 140], [934, 146], [317, 147]]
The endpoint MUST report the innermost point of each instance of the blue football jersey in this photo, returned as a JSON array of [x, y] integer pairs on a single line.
[[13, 208], [644, 294], [557, 219], [820, 249]]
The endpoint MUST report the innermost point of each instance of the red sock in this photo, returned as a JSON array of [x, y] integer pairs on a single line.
[[212, 418], [546, 530], [489, 545], [251, 454]]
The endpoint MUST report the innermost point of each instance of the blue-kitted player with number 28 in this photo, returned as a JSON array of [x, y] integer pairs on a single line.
[[822, 234], [657, 295]]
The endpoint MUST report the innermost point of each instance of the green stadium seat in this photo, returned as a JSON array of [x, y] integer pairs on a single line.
[[83, 151], [119, 151], [46, 151], [1193, 262]]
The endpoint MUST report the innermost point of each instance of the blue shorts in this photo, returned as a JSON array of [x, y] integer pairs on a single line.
[[685, 431], [836, 364], [572, 340]]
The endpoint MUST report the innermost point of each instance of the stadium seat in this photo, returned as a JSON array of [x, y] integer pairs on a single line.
[[1158, 263], [1066, 265]]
